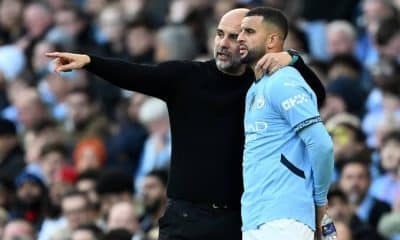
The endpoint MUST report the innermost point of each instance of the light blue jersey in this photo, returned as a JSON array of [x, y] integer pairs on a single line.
[[278, 163]]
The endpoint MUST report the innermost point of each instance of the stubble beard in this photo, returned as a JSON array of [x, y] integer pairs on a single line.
[[253, 55], [230, 66]]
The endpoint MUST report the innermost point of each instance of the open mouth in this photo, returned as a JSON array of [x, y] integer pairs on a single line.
[[222, 56], [242, 50]]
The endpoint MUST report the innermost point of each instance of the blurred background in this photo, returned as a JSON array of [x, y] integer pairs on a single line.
[[81, 159]]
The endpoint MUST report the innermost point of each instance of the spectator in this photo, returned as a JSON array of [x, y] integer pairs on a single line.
[[296, 39], [389, 223], [345, 65], [76, 209], [373, 11], [61, 184], [348, 140], [123, 216], [31, 108], [386, 115], [44, 132], [340, 210], [18, 229], [175, 43], [154, 194], [37, 20], [157, 149], [11, 152], [53, 157], [386, 188], [10, 20], [86, 182], [355, 180], [388, 39], [344, 95], [89, 154], [84, 117], [31, 196], [93, 7], [139, 41], [340, 37], [112, 26], [126, 145], [113, 186]]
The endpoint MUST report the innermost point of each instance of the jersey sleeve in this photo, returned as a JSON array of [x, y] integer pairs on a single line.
[[294, 100]]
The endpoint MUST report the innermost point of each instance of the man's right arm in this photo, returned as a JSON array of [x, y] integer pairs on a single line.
[[160, 80]]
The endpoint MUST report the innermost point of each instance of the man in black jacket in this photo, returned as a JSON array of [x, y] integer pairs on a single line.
[[206, 105]]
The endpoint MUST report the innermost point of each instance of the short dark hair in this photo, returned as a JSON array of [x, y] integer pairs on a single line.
[[358, 161], [337, 193], [388, 28], [120, 234], [89, 175], [348, 60], [95, 230], [43, 125], [76, 193], [88, 92], [54, 147], [161, 175], [114, 181], [271, 15], [300, 36], [391, 136], [142, 21]]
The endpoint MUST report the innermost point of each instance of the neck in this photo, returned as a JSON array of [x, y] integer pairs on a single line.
[[259, 74]]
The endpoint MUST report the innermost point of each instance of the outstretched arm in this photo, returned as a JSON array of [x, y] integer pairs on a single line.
[[159, 80]]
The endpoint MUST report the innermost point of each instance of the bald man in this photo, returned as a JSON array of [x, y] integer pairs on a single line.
[[206, 105]]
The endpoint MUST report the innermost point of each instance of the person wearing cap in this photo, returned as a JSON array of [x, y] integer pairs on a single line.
[[31, 194], [11, 153]]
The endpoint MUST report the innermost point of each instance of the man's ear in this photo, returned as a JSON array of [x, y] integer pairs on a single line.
[[273, 40]]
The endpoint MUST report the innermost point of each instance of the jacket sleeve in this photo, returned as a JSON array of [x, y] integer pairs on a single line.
[[312, 80], [158, 80]]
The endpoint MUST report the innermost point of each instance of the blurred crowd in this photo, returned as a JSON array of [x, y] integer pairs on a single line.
[[81, 159]]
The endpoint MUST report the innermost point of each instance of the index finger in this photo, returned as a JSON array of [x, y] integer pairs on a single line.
[[54, 54]]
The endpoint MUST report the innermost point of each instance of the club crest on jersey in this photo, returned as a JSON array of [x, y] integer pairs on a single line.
[[260, 102]]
